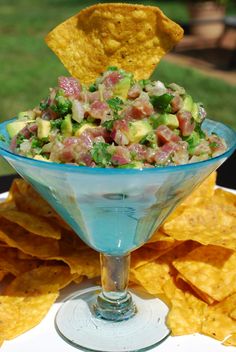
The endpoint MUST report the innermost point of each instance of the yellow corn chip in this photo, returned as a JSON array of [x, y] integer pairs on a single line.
[[9, 262], [132, 37], [84, 263], [32, 223], [201, 194], [8, 316], [187, 311], [15, 236], [143, 256], [218, 322], [205, 297], [20, 314], [153, 275], [2, 274], [207, 223], [26, 199], [42, 280], [211, 269]]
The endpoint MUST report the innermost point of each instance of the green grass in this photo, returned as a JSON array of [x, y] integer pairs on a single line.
[[28, 67]]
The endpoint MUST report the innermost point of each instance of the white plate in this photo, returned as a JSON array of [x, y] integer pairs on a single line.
[[44, 338]]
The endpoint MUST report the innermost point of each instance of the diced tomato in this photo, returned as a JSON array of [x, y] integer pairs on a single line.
[[70, 85], [176, 103], [139, 151], [186, 122], [119, 132], [99, 109], [121, 156], [111, 79], [164, 152], [139, 109], [135, 91], [165, 134], [92, 96], [67, 154], [33, 128], [181, 154], [202, 148], [216, 144]]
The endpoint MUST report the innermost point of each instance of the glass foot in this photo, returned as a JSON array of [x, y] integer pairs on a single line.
[[78, 324]]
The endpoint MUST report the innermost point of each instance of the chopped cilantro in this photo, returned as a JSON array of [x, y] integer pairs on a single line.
[[108, 124], [162, 102], [2, 138], [19, 139], [199, 130], [62, 106], [100, 154], [115, 104], [112, 68], [213, 145], [150, 140], [144, 82], [43, 105], [93, 88], [56, 123]]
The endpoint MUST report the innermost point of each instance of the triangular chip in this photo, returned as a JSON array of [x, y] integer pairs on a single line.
[[132, 37], [220, 322], [211, 269]]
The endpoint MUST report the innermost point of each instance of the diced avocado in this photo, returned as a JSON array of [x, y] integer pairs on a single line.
[[188, 103], [66, 126], [26, 115], [14, 127], [122, 87], [193, 140], [83, 128], [44, 128], [169, 120], [132, 165], [138, 130], [40, 157], [195, 113]]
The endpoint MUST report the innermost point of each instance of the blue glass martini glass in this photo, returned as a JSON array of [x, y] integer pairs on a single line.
[[114, 211]]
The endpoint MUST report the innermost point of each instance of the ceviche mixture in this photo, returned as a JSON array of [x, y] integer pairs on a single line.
[[115, 122]]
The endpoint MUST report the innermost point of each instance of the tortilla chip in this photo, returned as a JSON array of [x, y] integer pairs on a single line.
[[131, 37], [153, 275], [162, 243], [9, 262], [2, 274], [201, 194], [205, 190], [211, 269], [84, 263], [187, 311], [226, 200], [8, 316], [20, 314], [143, 256], [204, 296], [40, 281], [218, 322], [208, 223], [32, 223], [15, 236], [26, 199]]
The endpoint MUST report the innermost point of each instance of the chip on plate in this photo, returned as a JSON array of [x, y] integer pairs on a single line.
[[211, 269], [131, 37]]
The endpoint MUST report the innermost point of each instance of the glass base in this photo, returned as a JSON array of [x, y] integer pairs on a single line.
[[78, 324]]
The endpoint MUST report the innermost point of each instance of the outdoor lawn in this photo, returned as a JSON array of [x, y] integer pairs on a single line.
[[28, 67]]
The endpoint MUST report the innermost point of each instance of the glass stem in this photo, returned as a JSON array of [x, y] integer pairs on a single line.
[[115, 302]]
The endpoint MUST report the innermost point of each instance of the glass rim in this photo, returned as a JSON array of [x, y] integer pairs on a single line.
[[119, 171]]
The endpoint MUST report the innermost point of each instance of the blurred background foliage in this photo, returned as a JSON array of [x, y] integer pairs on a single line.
[[29, 68]]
